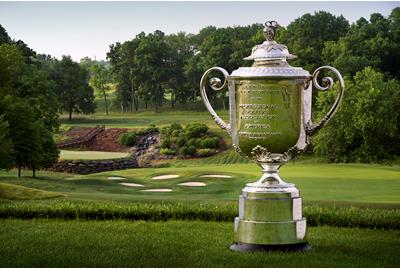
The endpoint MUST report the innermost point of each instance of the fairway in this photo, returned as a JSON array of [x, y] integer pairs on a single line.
[[90, 155], [332, 184], [55, 243]]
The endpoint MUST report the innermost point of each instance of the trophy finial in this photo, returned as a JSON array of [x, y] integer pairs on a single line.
[[270, 30]]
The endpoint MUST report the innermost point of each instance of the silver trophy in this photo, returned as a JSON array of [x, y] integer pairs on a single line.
[[270, 122]]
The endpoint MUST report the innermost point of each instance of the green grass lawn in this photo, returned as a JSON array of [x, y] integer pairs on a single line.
[[57, 243], [319, 183], [90, 155], [16, 192]]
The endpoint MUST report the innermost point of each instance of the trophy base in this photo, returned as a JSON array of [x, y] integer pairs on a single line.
[[242, 247], [270, 218]]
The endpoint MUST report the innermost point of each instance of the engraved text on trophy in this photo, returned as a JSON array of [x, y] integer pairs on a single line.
[[268, 114]]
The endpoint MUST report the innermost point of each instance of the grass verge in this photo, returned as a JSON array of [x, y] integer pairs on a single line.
[[57, 243], [316, 216]]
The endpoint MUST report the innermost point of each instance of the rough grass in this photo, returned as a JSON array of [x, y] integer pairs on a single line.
[[316, 216], [16, 192], [90, 155], [56, 243]]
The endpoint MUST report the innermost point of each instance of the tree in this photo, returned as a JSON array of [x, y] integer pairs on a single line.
[[305, 37], [99, 80], [153, 59], [28, 109], [72, 88], [47, 152], [374, 43], [6, 145], [25, 136], [4, 37], [366, 128]]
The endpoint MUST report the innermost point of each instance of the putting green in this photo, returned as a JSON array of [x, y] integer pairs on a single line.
[[88, 155]]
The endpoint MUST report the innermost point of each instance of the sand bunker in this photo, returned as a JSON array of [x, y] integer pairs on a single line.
[[216, 176], [131, 184], [193, 184], [158, 190], [115, 178], [166, 176]]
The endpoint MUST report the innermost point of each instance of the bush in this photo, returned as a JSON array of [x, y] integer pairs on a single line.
[[152, 129], [180, 141], [166, 143], [192, 142], [177, 133], [209, 143], [187, 150], [191, 150], [184, 151], [205, 152], [167, 151], [175, 126], [195, 130], [128, 139]]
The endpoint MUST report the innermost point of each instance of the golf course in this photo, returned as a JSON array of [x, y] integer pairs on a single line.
[[351, 210], [199, 135]]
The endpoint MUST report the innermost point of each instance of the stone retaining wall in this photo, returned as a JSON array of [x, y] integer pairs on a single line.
[[93, 166]]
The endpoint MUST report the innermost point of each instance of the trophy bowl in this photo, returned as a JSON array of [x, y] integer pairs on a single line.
[[270, 122]]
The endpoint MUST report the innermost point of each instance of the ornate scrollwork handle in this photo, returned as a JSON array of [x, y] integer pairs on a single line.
[[216, 85], [326, 84]]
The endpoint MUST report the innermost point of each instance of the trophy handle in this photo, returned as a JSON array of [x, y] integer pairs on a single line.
[[216, 85], [326, 84]]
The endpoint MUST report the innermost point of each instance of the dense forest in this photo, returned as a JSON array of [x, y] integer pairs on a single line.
[[35, 88]]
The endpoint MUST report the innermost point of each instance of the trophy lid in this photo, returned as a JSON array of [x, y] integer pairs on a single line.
[[270, 49], [270, 59]]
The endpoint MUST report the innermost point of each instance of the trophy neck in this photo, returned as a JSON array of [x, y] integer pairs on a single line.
[[270, 177]]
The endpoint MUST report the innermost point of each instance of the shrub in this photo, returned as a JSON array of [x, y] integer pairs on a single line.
[[192, 142], [152, 129], [195, 130], [180, 141], [184, 151], [175, 126], [187, 150], [209, 143], [205, 152], [176, 133], [167, 151], [166, 143], [191, 150], [128, 139]]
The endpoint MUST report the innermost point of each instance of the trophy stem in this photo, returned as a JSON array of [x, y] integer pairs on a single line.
[[270, 177]]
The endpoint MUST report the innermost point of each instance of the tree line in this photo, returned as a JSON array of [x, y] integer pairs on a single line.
[[34, 90]]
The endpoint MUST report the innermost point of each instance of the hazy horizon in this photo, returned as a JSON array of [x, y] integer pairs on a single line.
[[84, 29]]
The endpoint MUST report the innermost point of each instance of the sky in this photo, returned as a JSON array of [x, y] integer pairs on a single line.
[[84, 29]]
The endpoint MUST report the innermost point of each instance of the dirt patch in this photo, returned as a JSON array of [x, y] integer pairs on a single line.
[[105, 139]]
